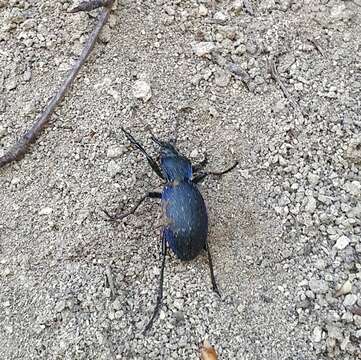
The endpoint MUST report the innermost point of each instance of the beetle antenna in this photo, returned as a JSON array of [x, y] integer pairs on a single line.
[[151, 161], [157, 141], [174, 140]]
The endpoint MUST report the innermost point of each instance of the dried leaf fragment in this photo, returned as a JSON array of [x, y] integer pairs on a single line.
[[207, 351]]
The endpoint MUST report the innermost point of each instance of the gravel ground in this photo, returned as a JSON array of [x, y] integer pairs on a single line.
[[284, 226]]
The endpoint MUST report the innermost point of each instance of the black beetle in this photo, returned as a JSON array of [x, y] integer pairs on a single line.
[[186, 220]]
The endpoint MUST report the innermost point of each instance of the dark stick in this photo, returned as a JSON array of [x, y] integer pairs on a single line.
[[108, 273], [276, 77], [317, 46], [21, 147]]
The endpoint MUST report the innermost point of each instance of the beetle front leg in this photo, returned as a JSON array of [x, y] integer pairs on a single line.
[[160, 290], [213, 279], [198, 178], [151, 195]]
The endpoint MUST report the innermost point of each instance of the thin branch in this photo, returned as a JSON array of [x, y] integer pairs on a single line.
[[21, 147], [109, 276], [316, 44], [276, 77]]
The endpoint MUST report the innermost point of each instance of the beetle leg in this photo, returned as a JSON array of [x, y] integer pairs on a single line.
[[201, 165], [151, 195], [160, 290], [198, 178], [213, 279], [225, 171], [151, 161]]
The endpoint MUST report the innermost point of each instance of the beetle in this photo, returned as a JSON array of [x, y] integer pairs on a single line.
[[186, 220]]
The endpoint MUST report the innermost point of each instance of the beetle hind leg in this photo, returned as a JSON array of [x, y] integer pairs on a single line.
[[160, 289], [210, 263], [117, 217]]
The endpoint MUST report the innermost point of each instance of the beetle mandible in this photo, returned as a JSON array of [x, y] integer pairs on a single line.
[[186, 226]]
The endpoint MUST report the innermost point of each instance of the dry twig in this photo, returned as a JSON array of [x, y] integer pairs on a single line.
[[276, 77], [316, 44], [22, 145], [109, 276]]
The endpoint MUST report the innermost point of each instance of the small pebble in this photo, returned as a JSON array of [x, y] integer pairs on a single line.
[[342, 242], [142, 90]]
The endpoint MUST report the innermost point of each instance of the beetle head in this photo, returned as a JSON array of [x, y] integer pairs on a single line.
[[174, 165], [167, 149]]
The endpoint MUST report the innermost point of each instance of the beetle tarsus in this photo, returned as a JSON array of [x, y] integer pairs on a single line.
[[213, 279]]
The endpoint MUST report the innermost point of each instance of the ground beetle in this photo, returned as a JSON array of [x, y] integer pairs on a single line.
[[186, 221]]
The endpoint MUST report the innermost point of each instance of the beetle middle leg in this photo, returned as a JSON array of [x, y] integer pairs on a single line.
[[201, 165], [198, 178], [160, 290], [213, 279], [151, 195]]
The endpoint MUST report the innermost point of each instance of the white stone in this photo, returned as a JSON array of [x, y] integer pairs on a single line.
[[219, 16], [313, 179], [311, 204], [2, 131], [113, 168], [317, 334], [142, 90], [204, 48], [202, 10], [237, 5], [115, 151], [318, 286], [350, 300], [345, 288], [46, 211], [353, 187], [342, 242]]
